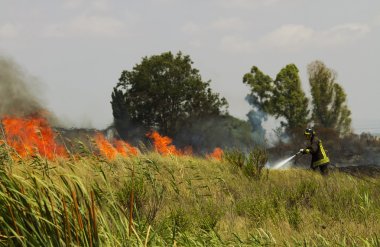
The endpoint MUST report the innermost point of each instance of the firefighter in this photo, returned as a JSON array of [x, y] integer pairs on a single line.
[[314, 147]]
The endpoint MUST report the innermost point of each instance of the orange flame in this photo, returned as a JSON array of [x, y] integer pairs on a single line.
[[125, 149], [163, 144], [32, 136], [105, 148], [188, 150], [216, 154], [120, 148], [109, 151]]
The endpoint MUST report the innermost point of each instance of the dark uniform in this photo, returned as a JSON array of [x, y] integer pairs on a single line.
[[319, 157]]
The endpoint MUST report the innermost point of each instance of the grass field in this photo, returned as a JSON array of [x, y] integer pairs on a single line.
[[180, 201]]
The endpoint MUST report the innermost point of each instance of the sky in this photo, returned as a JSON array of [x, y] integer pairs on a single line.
[[77, 49]]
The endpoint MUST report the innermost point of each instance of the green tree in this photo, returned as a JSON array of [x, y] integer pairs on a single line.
[[259, 98], [162, 92], [261, 89], [329, 102], [281, 98], [289, 100]]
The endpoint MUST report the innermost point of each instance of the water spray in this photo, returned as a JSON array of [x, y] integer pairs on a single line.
[[282, 163]]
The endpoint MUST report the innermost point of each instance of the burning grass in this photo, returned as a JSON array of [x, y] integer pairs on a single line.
[[31, 136], [110, 151], [163, 144]]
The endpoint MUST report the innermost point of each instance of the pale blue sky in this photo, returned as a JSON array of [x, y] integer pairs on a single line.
[[78, 48]]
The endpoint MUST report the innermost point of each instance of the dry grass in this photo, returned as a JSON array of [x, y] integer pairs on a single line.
[[187, 201]]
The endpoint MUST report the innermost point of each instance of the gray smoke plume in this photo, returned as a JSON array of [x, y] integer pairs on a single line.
[[18, 91], [256, 117], [205, 134]]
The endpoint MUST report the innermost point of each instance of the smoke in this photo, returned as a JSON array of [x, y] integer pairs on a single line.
[[206, 133], [19, 92], [128, 130], [256, 118]]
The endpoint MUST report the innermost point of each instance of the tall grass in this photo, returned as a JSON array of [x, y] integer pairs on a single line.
[[180, 201]]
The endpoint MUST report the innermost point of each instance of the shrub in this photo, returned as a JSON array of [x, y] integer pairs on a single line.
[[252, 164]]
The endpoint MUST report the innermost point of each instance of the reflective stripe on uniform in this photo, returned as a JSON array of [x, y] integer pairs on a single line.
[[321, 162], [325, 159]]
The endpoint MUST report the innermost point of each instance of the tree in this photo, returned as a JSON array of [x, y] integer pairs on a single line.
[[281, 98], [329, 103], [261, 88], [289, 100], [162, 92]]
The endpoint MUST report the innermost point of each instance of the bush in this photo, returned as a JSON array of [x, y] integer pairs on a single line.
[[252, 164]]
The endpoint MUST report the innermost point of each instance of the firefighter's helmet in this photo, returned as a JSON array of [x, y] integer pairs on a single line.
[[309, 133]]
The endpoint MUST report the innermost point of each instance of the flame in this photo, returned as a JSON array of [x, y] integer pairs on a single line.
[[163, 144], [188, 150], [120, 148], [216, 154], [125, 149], [32, 136], [105, 148], [110, 152]]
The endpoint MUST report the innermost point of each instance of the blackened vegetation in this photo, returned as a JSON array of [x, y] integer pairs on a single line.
[[220, 131], [362, 171], [343, 151]]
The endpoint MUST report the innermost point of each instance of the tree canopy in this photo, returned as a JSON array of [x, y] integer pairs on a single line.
[[284, 98], [162, 92], [289, 100], [281, 98], [329, 102]]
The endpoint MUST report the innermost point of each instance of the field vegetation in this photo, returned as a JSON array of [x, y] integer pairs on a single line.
[[85, 200]]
